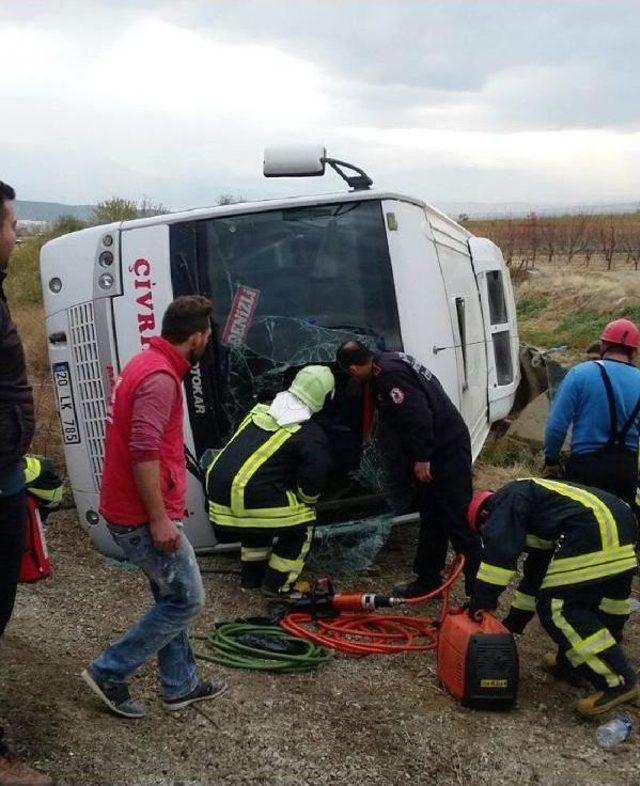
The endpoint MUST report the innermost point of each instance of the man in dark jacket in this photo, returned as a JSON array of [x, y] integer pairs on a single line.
[[264, 484], [577, 576], [16, 431], [413, 405]]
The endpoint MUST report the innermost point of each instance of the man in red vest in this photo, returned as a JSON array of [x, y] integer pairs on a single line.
[[142, 500]]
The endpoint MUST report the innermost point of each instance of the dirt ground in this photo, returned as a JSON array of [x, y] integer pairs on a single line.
[[374, 720]]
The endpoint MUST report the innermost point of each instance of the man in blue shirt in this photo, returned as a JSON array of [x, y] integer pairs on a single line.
[[601, 401]]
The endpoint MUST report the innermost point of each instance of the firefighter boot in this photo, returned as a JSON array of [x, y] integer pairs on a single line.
[[603, 701], [549, 663], [414, 589]]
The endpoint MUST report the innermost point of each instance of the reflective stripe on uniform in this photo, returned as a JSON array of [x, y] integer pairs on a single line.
[[264, 517], [293, 567], [593, 558], [41, 483], [613, 606], [590, 573], [523, 601], [239, 431], [32, 468], [252, 465], [248, 554], [237, 515], [492, 574], [585, 650], [604, 517], [47, 498], [592, 645], [534, 542], [284, 565]]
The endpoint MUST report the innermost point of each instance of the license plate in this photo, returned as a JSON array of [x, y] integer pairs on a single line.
[[66, 404]]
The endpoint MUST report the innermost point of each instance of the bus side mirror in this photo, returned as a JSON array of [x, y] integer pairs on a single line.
[[295, 161]]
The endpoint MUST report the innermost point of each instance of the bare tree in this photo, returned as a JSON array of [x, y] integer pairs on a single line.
[[608, 242], [530, 237], [630, 243], [575, 234], [147, 207], [549, 237], [508, 240]]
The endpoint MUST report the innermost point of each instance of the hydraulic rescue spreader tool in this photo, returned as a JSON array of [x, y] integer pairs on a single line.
[[349, 622], [477, 657]]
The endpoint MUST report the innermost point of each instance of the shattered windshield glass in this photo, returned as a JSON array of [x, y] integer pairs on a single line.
[[288, 287], [312, 276]]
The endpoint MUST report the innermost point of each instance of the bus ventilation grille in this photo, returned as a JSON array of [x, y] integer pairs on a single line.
[[90, 386]]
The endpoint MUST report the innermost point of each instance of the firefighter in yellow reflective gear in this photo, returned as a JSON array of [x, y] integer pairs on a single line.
[[577, 576], [266, 481], [43, 483]]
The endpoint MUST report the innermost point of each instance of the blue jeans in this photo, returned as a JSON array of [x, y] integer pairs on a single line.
[[177, 588]]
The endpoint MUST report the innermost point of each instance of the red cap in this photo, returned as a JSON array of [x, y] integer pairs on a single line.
[[623, 332], [476, 507]]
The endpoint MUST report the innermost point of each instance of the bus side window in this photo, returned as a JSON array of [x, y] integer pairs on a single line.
[[499, 327], [497, 303], [462, 330]]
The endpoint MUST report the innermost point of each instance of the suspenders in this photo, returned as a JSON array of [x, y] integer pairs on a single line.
[[616, 438]]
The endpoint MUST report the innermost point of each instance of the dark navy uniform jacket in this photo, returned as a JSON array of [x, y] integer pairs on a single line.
[[413, 403]]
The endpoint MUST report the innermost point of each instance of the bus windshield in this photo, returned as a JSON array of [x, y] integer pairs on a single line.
[[288, 286]]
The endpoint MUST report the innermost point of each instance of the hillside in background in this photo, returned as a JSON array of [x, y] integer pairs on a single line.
[[50, 211], [503, 210]]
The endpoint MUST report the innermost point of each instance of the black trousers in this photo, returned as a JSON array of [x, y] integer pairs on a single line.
[[13, 516], [613, 470], [443, 516], [270, 557], [586, 623]]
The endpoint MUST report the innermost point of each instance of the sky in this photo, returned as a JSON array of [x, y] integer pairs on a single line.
[[447, 100]]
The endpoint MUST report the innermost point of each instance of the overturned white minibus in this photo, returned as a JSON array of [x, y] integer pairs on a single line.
[[290, 279]]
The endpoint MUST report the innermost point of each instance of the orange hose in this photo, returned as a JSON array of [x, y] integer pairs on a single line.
[[367, 634]]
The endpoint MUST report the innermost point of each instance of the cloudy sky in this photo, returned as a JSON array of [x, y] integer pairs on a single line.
[[450, 100]]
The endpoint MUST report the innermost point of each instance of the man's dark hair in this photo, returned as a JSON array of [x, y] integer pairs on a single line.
[[7, 194], [353, 353], [187, 315]]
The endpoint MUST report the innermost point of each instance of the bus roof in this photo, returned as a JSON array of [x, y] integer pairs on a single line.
[[259, 206]]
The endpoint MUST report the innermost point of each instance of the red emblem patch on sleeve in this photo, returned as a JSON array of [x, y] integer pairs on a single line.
[[397, 395]]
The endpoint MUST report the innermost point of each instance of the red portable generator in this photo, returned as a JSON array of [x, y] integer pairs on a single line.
[[478, 661]]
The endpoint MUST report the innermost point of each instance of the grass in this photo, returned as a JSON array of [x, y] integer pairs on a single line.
[[530, 307], [584, 327], [505, 453], [565, 307], [25, 301], [23, 281], [578, 330]]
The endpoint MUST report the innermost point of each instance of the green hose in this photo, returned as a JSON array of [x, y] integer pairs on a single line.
[[294, 655]]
